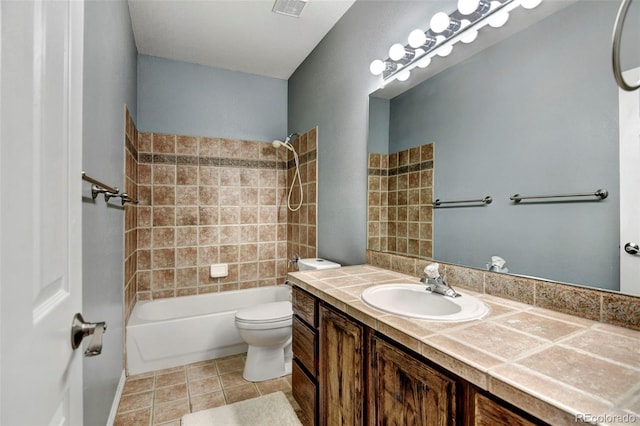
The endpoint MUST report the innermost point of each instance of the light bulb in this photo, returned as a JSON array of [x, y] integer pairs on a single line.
[[439, 22], [377, 67], [404, 76], [530, 4], [397, 52], [423, 63], [499, 18], [444, 50], [417, 38], [467, 7], [469, 36]]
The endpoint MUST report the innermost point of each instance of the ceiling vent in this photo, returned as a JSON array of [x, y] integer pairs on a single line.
[[289, 7]]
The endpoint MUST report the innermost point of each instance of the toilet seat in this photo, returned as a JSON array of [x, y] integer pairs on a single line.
[[264, 316]]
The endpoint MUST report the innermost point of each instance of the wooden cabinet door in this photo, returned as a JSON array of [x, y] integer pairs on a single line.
[[487, 412], [341, 370], [404, 391]]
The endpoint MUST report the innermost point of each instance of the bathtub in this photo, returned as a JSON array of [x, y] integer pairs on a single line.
[[168, 333]]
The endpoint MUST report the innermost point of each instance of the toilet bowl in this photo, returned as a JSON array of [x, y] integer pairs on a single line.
[[266, 329]]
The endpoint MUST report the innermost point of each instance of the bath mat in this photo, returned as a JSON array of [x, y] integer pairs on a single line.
[[267, 410]]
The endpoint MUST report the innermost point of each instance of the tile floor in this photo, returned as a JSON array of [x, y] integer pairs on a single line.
[[163, 397]]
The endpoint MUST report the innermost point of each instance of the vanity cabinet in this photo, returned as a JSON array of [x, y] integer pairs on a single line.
[[406, 391], [304, 369], [344, 373]]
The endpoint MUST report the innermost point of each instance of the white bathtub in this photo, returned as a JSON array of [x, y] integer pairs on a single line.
[[171, 332]]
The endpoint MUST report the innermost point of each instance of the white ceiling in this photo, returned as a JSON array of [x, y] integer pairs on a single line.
[[238, 35]]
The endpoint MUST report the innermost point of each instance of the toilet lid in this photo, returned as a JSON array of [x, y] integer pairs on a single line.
[[266, 312]]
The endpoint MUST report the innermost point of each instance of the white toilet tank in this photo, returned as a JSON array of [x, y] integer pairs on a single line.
[[314, 264]]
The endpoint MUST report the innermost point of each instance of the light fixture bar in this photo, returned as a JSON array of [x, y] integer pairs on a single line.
[[477, 21]]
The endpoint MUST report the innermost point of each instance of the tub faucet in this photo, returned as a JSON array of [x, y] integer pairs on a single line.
[[437, 285], [294, 261]]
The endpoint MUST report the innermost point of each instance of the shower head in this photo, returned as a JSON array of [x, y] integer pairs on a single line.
[[287, 141]]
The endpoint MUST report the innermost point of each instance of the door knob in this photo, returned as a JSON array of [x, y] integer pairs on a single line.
[[81, 329], [632, 248]]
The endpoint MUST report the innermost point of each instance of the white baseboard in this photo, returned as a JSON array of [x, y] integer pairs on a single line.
[[116, 400]]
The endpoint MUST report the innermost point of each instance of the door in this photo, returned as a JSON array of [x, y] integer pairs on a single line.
[[40, 210], [341, 370], [630, 185]]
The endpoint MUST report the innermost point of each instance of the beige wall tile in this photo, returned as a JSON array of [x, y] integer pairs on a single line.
[[187, 145], [164, 143], [568, 299]]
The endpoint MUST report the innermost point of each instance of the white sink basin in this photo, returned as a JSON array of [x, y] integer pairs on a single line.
[[414, 301]]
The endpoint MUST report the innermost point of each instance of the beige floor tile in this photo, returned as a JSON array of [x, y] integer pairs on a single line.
[[229, 364], [135, 401], [202, 371], [134, 418], [232, 379], [174, 410], [208, 385], [138, 385], [275, 385], [161, 398], [171, 393], [170, 379], [240, 393], [206, 401]]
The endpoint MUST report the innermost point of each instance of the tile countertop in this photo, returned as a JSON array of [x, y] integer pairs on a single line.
[[558, 367]]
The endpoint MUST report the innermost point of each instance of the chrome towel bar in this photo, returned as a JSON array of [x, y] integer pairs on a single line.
[[601, 194], [109, 192], [100, 186], [485, 200]]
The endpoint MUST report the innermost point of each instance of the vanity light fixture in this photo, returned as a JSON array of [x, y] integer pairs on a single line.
[[444, 31]]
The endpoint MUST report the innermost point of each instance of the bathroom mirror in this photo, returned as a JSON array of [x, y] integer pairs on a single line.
[[534, 114]]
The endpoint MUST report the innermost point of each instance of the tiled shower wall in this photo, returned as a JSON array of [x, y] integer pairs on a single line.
[[209, 200], [130, 213], [400, 211], [301, 224], [204, 201]]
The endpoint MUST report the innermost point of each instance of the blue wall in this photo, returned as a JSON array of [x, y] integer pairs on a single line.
[[330, 89], [189, 99], [109, 84]]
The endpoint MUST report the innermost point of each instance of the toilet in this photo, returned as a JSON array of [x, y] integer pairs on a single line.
[[266, 329]]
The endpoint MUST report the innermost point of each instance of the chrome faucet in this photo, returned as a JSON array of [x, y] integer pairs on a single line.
[[437, 285]]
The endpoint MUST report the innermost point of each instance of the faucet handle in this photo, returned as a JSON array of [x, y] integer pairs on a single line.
[[432, 270]]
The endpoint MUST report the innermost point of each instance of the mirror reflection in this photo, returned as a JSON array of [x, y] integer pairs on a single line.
[[537, 113]]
